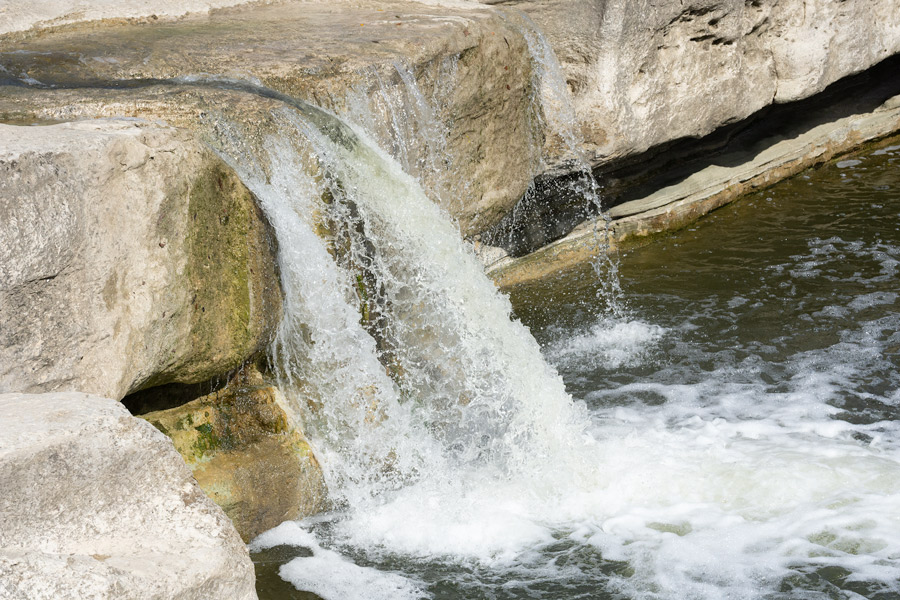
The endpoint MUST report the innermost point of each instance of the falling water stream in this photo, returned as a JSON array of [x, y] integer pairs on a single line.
[[717, 420], [728, 432], [733, 434]]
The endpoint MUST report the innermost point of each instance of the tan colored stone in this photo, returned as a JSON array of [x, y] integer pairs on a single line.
[[97, 504], [247, 455], [131, 256], [641, 74]]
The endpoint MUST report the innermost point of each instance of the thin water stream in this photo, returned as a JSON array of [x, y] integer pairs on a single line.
[[741, 425]]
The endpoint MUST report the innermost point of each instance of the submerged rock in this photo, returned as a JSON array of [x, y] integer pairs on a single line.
[[97, 504], [246, 454], [132, 257]]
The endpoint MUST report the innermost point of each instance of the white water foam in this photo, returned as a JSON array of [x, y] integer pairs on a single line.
[[329, 575], [473, 454], [610, 343]]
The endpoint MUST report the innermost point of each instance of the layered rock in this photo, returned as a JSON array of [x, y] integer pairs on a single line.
[[807, 142], [644, 73], [97, 504], [132, 257], [247, 454]]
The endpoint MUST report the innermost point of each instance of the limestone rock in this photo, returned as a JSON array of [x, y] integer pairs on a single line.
[[470, 67], [645, 72], [247, 455], [97, 504], [130, 256], [21, 16]]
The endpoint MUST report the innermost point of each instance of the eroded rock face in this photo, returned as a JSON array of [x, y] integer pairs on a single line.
[[469, 67], [644, 72], [246, 454], [97, 504], [130, 256]]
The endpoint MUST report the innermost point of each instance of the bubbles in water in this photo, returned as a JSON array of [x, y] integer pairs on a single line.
[[455, 454]]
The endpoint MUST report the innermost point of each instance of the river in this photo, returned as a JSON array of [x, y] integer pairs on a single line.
[[739, 435]]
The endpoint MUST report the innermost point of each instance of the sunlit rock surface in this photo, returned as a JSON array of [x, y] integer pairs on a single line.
[[130, 256], [645, 72], [470, 65], [246, 454], [97, 504], [22, 16]]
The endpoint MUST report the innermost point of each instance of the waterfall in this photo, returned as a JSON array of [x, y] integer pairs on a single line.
[[557, 120], [397, 351], [407, 122], [454, 454]]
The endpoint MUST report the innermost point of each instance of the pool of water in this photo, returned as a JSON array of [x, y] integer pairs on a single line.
[[740, 435]]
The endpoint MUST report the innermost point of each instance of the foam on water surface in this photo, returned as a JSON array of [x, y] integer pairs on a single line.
[[738, 439]]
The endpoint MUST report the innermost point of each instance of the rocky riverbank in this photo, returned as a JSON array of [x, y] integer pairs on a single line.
[[136, 265]]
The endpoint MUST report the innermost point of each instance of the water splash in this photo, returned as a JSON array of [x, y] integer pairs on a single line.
[[558, 120]]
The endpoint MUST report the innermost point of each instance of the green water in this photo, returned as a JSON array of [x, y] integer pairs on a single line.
[[745, 411], [785, 270]]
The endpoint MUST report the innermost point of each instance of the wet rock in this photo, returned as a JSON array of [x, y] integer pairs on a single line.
[[132, 257], [246, 454], [97, 504]]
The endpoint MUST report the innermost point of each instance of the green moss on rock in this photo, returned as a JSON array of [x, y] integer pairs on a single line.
[[246, 455], [230, 275]]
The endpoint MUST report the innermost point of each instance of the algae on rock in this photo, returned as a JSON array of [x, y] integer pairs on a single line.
[[246, 453], [135, 257]]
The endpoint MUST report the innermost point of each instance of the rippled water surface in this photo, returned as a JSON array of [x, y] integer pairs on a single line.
[[741, 436]]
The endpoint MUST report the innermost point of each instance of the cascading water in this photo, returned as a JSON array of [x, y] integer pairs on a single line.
[[556, 117], [459, 466], [415, 136], [443, 395]]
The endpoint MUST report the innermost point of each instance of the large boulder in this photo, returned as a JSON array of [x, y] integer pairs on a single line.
[[97, 504], [130, 256]]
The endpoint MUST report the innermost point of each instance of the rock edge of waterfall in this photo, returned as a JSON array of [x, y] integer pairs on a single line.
[[133, 258]]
